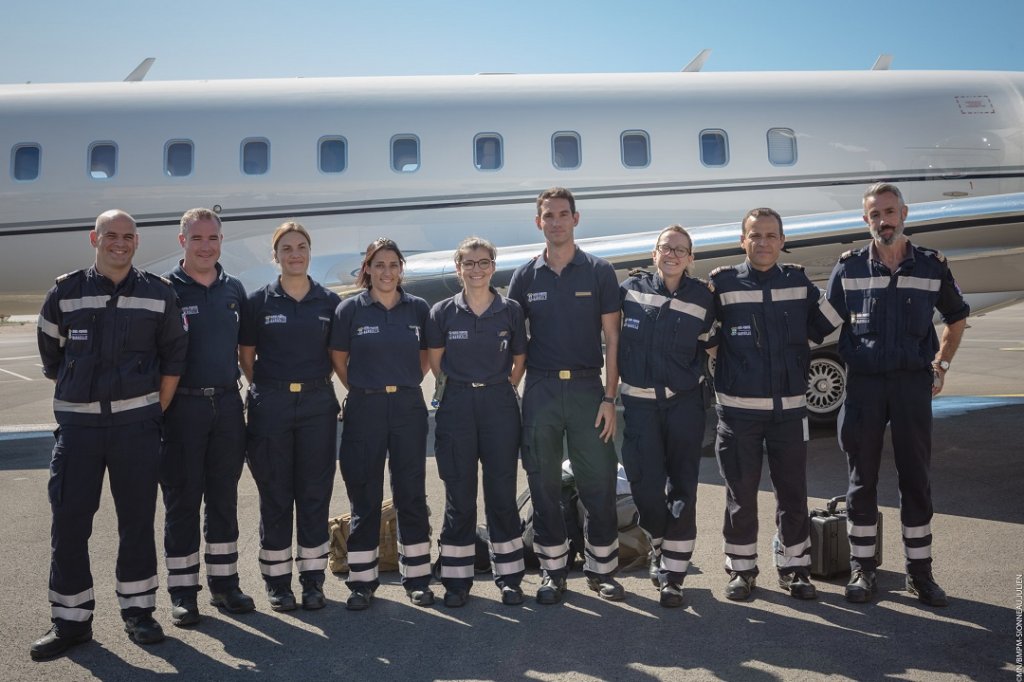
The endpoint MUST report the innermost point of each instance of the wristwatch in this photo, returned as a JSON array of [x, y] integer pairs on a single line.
[[611, 399], [941, 364]]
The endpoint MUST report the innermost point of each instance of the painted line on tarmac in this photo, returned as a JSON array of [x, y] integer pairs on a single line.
[[15, 374]]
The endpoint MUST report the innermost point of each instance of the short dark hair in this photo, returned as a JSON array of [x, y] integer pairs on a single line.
[[376, 246], [557, 193], [194, 215], [760, 213], [884, 188]]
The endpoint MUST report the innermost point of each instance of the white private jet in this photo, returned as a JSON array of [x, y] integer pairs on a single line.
[[429, 160]]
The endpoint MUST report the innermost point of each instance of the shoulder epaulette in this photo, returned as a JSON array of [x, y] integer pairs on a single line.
[[934, 253], [65, 276], [721, 268], [636, 272], [793, 266], [847, 254]]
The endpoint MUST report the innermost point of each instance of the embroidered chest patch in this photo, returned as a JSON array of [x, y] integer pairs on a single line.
[[275, 319], [741, 330], [367, 329], [78, 335], [631, 323], [457, 334], [534, 296]]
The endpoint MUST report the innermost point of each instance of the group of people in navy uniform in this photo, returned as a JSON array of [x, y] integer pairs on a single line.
[[147, 372]]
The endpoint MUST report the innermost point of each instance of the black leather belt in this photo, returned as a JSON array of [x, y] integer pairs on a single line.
[[385, 389], [477, 384], [294, 386], [204, 392], [565, 374]]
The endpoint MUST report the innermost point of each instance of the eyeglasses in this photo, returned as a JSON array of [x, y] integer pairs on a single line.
[[483, 264], [679, 251]]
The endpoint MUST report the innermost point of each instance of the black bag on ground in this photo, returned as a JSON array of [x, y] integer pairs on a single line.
[[830, 547]]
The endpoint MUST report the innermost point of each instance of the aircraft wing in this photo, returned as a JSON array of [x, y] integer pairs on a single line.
[[983, 238]]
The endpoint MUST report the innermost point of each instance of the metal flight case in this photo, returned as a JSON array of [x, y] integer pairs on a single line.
[[830, 548]]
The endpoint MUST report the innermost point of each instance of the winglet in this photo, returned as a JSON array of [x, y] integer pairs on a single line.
[[141, 70], [697, 63], [883, 63]]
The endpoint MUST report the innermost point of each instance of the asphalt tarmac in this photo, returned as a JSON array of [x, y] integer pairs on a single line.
[[977, 482]]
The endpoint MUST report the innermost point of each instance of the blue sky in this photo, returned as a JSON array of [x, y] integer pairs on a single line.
[[85, 40]]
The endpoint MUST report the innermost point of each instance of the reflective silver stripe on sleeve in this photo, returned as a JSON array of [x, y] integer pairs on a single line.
[[656, 300], [691, 309], [789, 402], [921, 283], [789, 294], [134, 403], [864, 283], [731, 297], [828, 311], [50, 329], [637, 392], [157, 305], [80, 408], [69, 305]]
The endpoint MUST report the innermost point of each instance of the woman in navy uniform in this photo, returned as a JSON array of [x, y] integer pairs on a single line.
[[292, 418], [666, 321], [380, 354], [476, 343]]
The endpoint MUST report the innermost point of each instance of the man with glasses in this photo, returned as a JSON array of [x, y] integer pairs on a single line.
[[766, 313], [570, 298]]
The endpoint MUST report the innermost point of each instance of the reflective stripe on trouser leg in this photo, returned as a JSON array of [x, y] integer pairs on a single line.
[[361, 458], [223, 470], [315, 436], [137, 594], [222, 564], [183, 573], [542, 447], [595, 470], [407, 451], [457, 565], [456, 454], [787, 466], [861, 428], [739, 449], [910, 410]]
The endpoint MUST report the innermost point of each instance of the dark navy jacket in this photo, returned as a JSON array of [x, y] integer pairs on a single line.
[[766, 319], [888, 315], [214, 316], [107, 346], [663, 336]]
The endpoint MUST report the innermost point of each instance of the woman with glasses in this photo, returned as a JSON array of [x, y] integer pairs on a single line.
[[666, 322], [379, 352], [292, 418], [476, 343]]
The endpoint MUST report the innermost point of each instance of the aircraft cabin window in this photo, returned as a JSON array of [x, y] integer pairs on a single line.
[[333, 154], [781, 147], [102, 160], [565, 150], [487, 151], [714, 148], [405, 153], [636, 149], [25, 162], [178, 158], [255, 156]]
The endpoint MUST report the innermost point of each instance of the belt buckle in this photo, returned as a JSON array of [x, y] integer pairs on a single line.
[[208, 392], [294, 387], [477, 385], [391, 389], [564, 374]]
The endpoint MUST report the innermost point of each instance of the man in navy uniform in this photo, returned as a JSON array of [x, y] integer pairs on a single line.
[[767, 313], [204, 430], [570, 298], [887, 292], [113, 340]]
